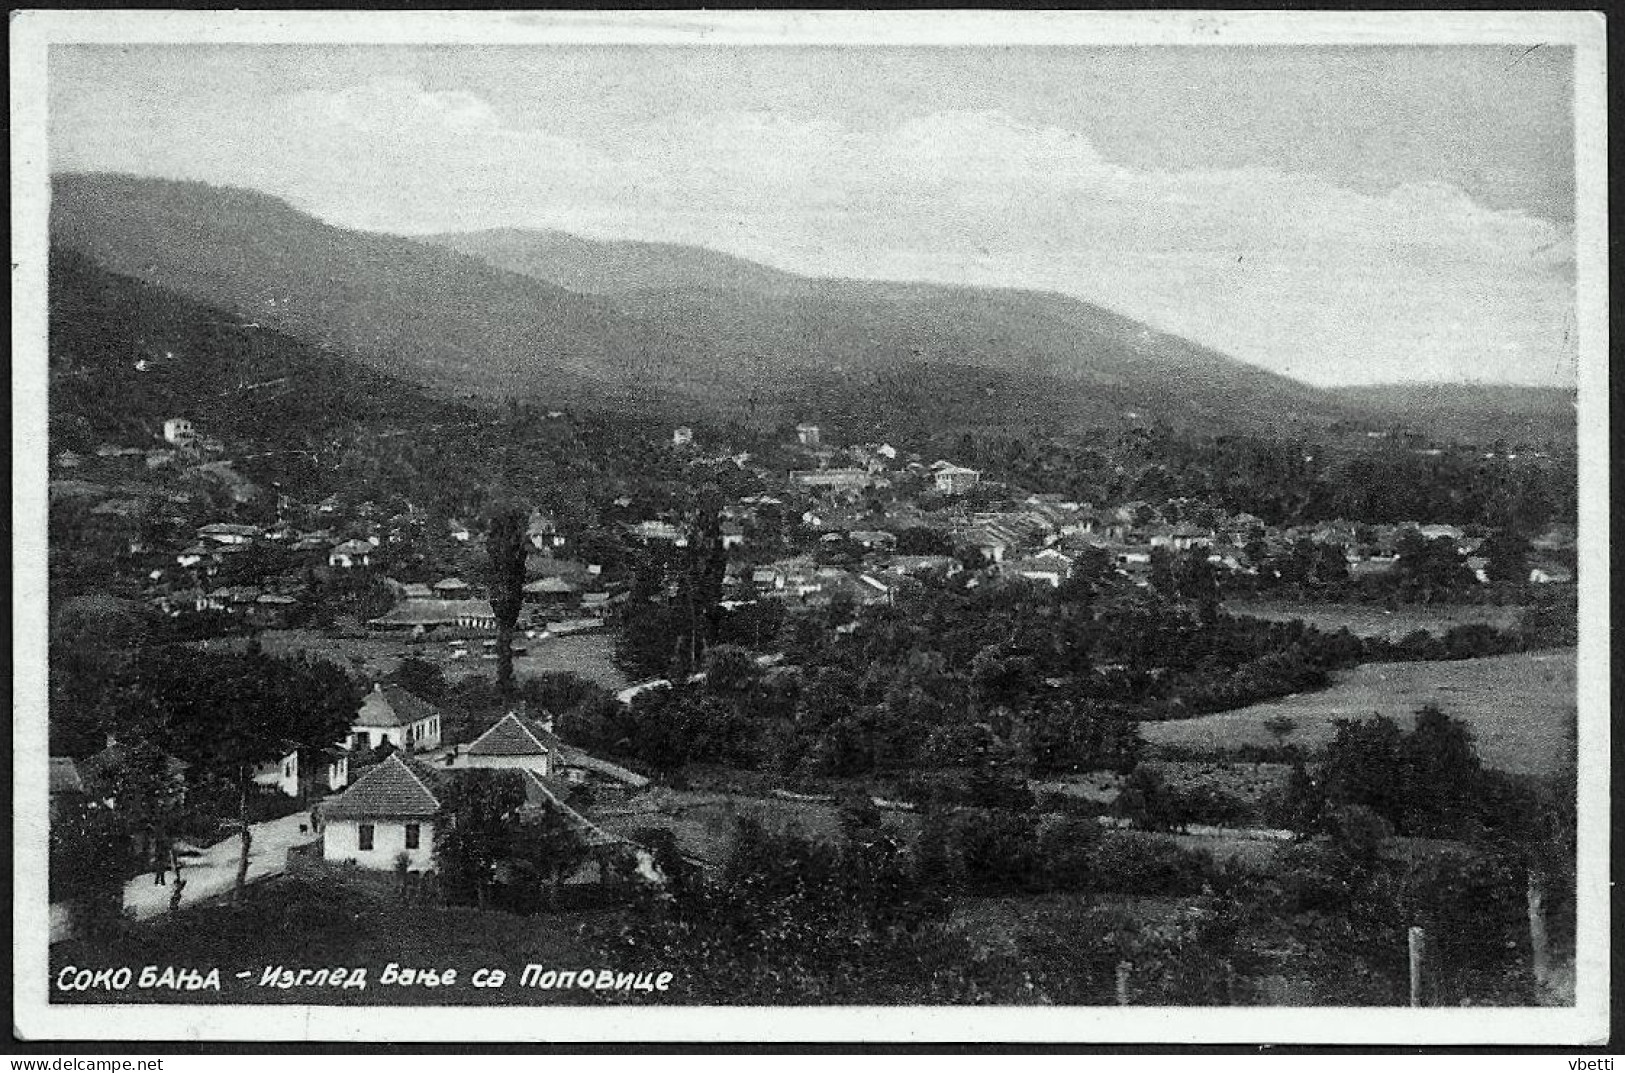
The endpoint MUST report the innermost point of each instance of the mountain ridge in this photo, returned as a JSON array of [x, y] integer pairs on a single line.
[[659, 327]]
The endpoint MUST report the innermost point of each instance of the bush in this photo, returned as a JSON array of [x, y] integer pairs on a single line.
[[1067, 849], [1127, 863]]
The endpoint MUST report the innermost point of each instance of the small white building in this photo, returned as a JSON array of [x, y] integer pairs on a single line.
[[331, 770], [389, 713], [179, 431], [809, 435], [388, 813], [510, 743], [682, 436], [542, 531], [280, 775], [954, 480], [350, 554]]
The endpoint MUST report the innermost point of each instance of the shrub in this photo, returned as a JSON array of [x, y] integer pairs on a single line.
[[1140, 864]]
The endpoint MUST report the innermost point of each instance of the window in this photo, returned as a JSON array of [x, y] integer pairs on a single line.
[[411, 836], [364, 836]]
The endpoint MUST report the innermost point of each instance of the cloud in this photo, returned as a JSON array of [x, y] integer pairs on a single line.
[[399, 107]]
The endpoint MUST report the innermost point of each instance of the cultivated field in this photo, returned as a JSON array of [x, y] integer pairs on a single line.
[[1522, 708], [1373, 620]]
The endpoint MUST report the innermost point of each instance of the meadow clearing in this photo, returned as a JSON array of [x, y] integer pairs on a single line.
[[1374, 620], [1522, 708]]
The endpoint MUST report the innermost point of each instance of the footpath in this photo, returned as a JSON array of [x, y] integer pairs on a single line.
[[214, 871]]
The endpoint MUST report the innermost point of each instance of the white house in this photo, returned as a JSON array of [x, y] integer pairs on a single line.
[[350, 554], [542, 531], [329, 768], [281, 774], [179, 430], [390, 811], [954, 480], [511, 743], [390, 713], [809, 435], [1048, 566], [517, 743], [682, 436]]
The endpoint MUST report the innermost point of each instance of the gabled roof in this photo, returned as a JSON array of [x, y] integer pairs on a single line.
[[392, 706], [352, 547], [391, 790], [509, 737], [545, 793]]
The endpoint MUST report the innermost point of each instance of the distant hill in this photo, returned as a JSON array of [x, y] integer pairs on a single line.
[[610, 267], [423, 313], [1478, 413], [768, 327], [124, 355], [675, 330]]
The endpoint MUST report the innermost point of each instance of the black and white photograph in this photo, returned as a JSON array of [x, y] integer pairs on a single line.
[[1049, 526]]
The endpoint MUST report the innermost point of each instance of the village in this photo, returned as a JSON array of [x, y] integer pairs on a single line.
[[371, 585]]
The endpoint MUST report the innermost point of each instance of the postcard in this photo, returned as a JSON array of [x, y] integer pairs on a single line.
[[810, 526]]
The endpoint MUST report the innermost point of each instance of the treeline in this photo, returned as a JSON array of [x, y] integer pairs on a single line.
[[953, 674], [1289, 481]]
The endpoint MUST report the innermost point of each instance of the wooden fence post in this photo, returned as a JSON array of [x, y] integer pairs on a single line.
[[1418, 950], [1123, 969], [1539, 947]]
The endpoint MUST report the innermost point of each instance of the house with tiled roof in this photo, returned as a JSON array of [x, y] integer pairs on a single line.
[[549, 590], [530, 745], [414, 614], [389, 713], [390, 811], [350, 554]]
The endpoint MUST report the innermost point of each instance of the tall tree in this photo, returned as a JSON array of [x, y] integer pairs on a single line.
[[505, 545], [227, 713], [480, 807]]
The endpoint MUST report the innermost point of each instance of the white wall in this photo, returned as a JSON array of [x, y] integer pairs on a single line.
[[375, 736], [340, 839], [284, 775], [538, 764]]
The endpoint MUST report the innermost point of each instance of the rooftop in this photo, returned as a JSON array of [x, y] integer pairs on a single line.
[[390, 790], [392, 706]]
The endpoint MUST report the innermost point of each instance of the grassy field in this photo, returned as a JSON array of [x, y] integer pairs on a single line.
[[590, 655], [1373, 620], [1522, 708]]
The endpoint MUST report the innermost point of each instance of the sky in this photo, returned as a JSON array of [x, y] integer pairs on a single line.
[[1340, 215]]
